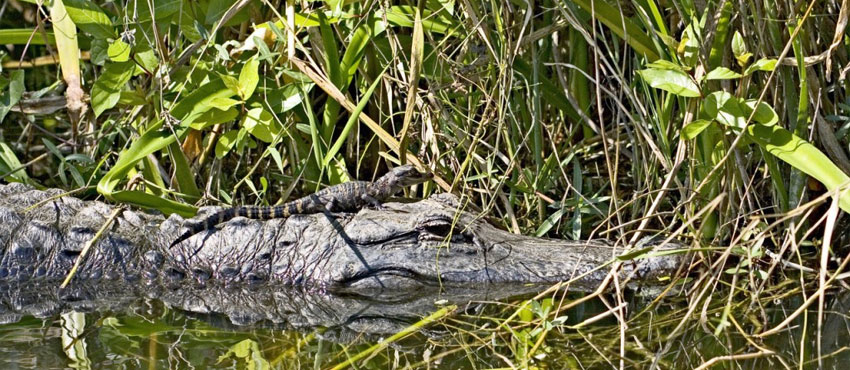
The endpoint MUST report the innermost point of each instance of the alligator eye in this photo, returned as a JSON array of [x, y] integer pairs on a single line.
[[440, 227]]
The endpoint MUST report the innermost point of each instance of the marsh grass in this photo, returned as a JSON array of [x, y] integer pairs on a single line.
[[571, 120]]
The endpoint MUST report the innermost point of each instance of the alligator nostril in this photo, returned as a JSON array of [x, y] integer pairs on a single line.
[[265, 256]]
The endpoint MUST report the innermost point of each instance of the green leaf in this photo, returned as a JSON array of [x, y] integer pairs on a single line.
[[162, 9], [183, 174], [118, 51], [665, 65], [25, 36], [722, 73], [99, 51], [214, 117], [694, 128], [12, 93], [739, 47], [90, 18], [232, 83], [803, 156], [764, 113], [225, 143], [8, 162], [223, 103], [726, 109], [248, 78], [690, 45], [261, 124], [134, 98], [674, 82], [107, 89], [733, 112], [154, 139], [403, 15], [147, 59], [200, 101], [764, 64]]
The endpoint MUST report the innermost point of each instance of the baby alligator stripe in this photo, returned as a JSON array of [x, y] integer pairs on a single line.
[[350, 196]]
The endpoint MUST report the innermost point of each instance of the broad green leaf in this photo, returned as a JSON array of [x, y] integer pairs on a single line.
[[739, 47], [223, 103], [145, 200], [118, 51], [726, 109], [232, 83], [248, 78], [403, 15], [183, 174], [330, 114], [147, 59], [107, 89], [214, 117], [261, 124], [134, 98], [225, 143], [722, 73], [731, 111], [802, 156], [665, 65], [764, 64], [690, 45], [764, 113], [8, 162], [12, 92], [200, 101], [675, 82], [550, 222], [162, 9], [694, 128], [90, 18], [99, 51], [25, 36]]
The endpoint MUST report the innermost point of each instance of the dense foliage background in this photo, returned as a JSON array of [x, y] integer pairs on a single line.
[[571, 119]]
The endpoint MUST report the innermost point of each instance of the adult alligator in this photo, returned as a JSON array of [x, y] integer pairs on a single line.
[[400, 248]]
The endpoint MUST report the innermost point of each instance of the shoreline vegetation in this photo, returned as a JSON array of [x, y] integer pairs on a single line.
[[721, 124]]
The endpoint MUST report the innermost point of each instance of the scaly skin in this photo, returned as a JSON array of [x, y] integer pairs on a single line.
[[350, 196]]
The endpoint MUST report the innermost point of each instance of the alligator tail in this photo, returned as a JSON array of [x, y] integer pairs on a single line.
[[207, 223], [266, 213], [256, 213]]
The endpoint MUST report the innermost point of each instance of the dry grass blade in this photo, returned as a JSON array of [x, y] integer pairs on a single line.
[[69, 58], [89, 244]]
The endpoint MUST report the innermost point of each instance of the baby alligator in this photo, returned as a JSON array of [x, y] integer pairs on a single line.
[[349, 196]]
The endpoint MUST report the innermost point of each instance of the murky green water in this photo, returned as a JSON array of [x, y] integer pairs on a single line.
[[150, 334]]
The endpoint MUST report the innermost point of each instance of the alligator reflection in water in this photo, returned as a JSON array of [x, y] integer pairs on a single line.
[[143, 333]]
